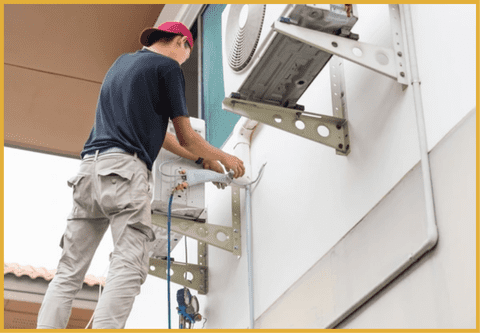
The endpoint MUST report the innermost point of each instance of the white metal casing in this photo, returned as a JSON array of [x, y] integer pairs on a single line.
[[187, 204], [232, 79]]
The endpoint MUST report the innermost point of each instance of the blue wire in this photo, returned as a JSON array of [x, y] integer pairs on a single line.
[[169, 224]]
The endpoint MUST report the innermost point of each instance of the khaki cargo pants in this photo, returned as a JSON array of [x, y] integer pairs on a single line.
[[111, 189]]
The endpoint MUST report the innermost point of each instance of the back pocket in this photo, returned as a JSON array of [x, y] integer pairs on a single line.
[[82, 196], [114, 189]]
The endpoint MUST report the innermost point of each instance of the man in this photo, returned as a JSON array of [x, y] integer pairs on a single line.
[[140, 93]]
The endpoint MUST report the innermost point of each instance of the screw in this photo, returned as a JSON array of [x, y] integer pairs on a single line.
[[338, 126], [235, 230], [402, 74], [235, 247], [201, 287], [334, 44], [348, 146], [399, 54], [340, 146], [202, 271]]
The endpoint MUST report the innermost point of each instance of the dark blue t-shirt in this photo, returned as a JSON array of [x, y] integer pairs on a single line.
[[140, 92]]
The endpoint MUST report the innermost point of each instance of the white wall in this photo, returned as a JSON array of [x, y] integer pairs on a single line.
[[438, 291], [309, 198]]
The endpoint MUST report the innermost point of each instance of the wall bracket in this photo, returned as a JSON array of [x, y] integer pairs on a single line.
[[328, 130], [199, 272], [226, 238], [384, 60]]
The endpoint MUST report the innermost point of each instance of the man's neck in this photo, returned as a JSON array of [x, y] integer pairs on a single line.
[[160, 50]]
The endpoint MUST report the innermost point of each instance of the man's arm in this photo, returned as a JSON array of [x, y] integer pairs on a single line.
[[171, 144], [196, 145]]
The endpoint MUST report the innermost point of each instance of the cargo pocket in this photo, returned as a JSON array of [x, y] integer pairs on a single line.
[[82, 196], [114, 189]]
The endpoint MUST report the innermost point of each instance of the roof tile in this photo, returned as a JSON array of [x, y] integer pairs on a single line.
[[32, 272]]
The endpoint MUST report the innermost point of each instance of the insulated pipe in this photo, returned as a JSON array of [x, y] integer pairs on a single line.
[[244, 130], [248, 213], [422, 137], [432, 231]]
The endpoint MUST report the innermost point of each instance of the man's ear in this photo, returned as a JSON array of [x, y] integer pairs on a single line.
[[183, 40]]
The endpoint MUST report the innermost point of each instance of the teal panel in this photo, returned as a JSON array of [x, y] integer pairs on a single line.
[[219, 123]]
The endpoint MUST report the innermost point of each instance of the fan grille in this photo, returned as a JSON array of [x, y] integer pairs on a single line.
[[242, 42]]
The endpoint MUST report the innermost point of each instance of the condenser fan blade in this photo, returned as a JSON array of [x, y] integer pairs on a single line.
[[244, 26]]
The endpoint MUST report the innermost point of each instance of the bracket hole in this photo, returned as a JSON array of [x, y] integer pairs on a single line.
[[300, 125], [277, 119], [382, 58], [152, 268], [221, 236], [188, 276], [171, 272], [300, 83], [323, 131], [334, 44], [357, 52]]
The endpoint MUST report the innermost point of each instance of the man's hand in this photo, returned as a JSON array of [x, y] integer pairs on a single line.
[[212, 165], [234, 163]]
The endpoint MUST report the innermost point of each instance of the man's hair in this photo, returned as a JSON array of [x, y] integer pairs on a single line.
[[163, 36]]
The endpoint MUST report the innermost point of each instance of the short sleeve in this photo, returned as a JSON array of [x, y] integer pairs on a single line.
[[174, 93]]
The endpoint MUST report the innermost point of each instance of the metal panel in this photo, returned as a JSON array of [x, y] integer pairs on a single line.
[[360, 264]]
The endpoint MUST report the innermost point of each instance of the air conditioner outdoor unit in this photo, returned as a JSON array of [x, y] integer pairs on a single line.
[[261, 65]]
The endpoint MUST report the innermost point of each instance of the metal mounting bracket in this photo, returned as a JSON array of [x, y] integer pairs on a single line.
[[339, 98], [226, 238], [205, 234], [386, 61], [328, 130], [179, 274]]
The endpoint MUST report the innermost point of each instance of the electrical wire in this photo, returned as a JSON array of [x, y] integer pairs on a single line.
[[186, 252], [169, 226], [258, 177], [165, 162]]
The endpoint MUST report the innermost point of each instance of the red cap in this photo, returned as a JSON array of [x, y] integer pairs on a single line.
[[173, 27]]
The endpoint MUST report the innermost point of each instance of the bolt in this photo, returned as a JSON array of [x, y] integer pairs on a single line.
[[338, 126], [402, 74], [399, 54]]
